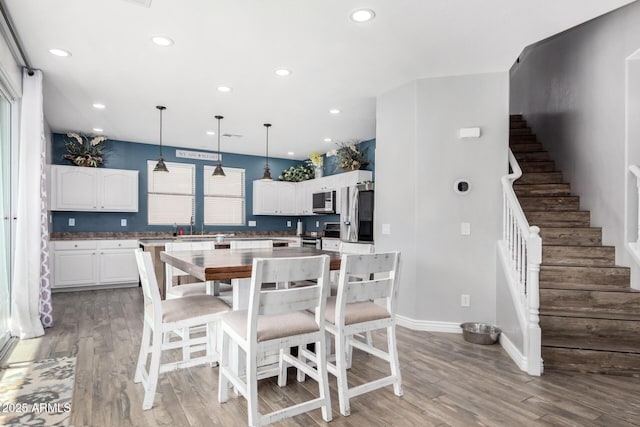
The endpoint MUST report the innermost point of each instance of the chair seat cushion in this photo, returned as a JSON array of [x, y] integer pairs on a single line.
[[175, 310], [273, 326], [357, 312], [186, 290]]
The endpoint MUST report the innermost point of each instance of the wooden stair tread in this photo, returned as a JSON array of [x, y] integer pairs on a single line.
[[591, 333], [591, 361], [578, 275], [576, 236], [589, 314], [581, 286], [545, 190]]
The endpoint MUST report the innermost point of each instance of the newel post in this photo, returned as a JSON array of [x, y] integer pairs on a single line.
[[534, 334]]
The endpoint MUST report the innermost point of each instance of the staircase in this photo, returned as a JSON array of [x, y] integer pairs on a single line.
[[589, 315]]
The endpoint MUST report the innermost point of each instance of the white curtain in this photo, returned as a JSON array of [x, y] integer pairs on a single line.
[[25, 290]]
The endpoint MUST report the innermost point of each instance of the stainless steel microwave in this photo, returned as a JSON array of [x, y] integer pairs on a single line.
[[324, 202]]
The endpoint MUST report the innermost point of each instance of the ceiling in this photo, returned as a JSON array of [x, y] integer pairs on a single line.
[[335, 62]]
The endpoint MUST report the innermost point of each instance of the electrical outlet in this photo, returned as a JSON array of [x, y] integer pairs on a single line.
[[386, 228], [317, 224], [288, 223], [72, 222], [465, 300], [123, 222], [252, 223]]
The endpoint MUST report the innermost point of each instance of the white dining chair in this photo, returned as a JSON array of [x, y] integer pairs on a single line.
[[353, 311], [278, 319], [160, 318], [251, 244], [173, 274]]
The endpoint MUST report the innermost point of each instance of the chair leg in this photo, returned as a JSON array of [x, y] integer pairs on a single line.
[[213, 354], [323, 383], [301, 359], [154, 371], [252, 388], [144, 351], [186, 350], [223, 382], [369, 336], [341, 374], [395, 365], [282, 375]]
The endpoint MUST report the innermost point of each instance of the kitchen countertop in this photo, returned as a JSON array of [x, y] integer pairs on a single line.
[[150, 235]]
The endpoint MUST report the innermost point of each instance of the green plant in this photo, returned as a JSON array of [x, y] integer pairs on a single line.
[[298, 173], [350, 156], [84, 150]]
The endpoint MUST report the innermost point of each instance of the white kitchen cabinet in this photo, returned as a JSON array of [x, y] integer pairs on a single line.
[[75, 188], [304, 197], [93, 264], [274, 198]]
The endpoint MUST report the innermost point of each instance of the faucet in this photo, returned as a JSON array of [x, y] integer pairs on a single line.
[[191, 224]]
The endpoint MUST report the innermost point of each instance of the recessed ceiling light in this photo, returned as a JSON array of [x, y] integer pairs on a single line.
[[283, 72], [362, 15], [99, 106], [162, 40], [59, 52], [328, 140], [210, 132], [291, 153], [98, 129], [334, 111], [224, 88]]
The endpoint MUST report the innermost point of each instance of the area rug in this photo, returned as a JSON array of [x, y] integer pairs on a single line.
[[37, 393]]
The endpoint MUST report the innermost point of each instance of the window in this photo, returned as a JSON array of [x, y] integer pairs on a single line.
[[171, 196], [224, 197]]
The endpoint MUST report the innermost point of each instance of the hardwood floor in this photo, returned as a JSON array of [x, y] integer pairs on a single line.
[[447, 381]]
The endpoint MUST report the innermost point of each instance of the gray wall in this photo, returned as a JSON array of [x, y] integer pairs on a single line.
[[571, 89], [418, 158]]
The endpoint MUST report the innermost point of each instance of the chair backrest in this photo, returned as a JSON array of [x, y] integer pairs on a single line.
[[171, 271], [150, 290], [251, 244], [281, 301], [355, 248], [381, 272]]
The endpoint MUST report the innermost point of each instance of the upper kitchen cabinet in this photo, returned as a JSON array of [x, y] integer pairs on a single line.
[[274, 198], [75, 188]]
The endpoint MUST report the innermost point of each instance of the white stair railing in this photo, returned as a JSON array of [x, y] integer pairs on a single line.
[[524, 251], [635, 246]]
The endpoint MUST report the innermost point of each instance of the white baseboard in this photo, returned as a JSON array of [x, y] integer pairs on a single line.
[[519, 359], [428, 325]]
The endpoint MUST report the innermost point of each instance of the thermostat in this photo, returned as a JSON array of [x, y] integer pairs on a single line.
[[462, 186]]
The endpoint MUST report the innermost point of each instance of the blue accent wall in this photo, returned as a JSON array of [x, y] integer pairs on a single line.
[[134, 156]]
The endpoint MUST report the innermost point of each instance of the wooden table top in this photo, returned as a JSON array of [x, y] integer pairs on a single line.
[[223, 264]]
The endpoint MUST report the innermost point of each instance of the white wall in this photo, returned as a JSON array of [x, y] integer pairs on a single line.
[[418, 158], [571, 89]]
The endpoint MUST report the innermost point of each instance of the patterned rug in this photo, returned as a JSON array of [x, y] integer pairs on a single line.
[[37, 393]]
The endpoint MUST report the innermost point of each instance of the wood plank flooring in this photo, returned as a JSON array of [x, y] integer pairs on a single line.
[[447, 381]]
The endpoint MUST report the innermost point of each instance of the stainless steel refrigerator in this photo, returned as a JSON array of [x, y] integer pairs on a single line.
[[356, 213]]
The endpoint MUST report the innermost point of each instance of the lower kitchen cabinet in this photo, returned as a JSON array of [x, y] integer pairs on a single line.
[[93, 264]]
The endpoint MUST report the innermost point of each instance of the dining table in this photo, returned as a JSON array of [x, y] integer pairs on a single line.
[[212, 266]]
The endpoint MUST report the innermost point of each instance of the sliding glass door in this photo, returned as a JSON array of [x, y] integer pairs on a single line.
[[5, 211]]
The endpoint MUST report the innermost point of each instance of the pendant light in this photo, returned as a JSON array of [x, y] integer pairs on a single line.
[[218, 172], [160, 166], [267, 171]]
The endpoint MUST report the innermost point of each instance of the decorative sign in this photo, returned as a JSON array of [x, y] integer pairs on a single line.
[[198, 155]]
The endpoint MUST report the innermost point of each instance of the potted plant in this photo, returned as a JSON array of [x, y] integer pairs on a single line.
[[317, 161], [350, 156], [84, 150]]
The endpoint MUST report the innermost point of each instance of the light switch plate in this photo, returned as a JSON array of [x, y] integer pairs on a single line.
[[123, 222], [465, 228], [386, 228], [317, 224], [72, 222], [288, 223], [252, 223]]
